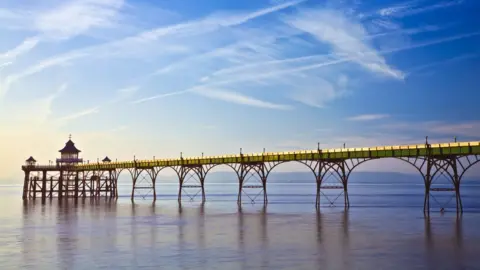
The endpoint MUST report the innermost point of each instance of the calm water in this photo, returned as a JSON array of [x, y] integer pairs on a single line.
[[384, 229]]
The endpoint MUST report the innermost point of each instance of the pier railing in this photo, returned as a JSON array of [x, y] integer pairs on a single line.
[[440, 149]]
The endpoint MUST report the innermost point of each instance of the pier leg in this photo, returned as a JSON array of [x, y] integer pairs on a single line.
[[44, 186], [30, 188], [240, 189], [345, 185], [317, 168], [99, 185], [76, 185], [116, 186], [346, 198], [264, 183], [60, 185], [426, 201], [84, 184], [319, 184], [204, 198], [26, 185], [51, 188], [181, 179], [202, 174], [108, 184], [459, 202], [180, 186], [153, 177], [91, 186], [35, 184], [133, 188], [67, 183], [111, 186], [456, 184]]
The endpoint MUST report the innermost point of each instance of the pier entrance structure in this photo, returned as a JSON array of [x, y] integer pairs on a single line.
[[65, 179], [73, 177]]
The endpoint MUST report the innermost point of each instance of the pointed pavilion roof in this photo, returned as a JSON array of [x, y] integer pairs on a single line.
[[30, 159], [70, 147], [106, 159]]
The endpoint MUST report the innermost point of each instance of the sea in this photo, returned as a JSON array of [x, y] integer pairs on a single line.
[[384, 228]]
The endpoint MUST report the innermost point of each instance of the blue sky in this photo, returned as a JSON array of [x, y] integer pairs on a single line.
[[156, 78]]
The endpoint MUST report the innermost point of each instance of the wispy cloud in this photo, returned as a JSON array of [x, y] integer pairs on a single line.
[[432, 42], [27, 45], [412, 8], [77, 17], [469, 129], [161, 96], [64, 19], [234, 97], [119, 128], [253, 63], [431, 65], [124, 93], [340, 60], [368, 117], [398, 8], [6, 64], [197, 27], [48, 63], [345, 36], [318, 91], [79, 114], [31, 113], [124, 46]]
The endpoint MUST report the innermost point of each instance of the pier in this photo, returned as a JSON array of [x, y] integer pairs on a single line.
[[71, 177]]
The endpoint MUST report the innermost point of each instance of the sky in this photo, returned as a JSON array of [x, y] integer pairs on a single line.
[[156, 78]]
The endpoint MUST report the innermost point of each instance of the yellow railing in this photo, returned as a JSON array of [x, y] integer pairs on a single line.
[[452, 148]]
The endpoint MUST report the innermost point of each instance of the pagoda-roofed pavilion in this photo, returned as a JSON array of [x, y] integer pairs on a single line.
[[30, 161], [69, 154], [106, 160]]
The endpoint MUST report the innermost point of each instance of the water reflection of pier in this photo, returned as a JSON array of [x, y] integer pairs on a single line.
[[195, 237], [333, 242], [438, 241]]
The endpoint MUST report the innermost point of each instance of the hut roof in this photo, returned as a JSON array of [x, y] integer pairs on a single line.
[[69, 148], [106, 159], [30, 159]]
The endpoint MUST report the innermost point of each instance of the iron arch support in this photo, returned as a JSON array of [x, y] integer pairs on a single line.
[[350, 169], [443, 168], [331, 166], [418, 168], [232, 166], [465, 168], [275, 164]]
